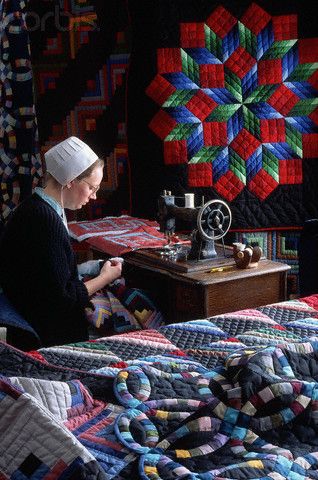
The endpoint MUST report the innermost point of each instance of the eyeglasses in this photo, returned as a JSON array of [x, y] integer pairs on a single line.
[[92, 187]]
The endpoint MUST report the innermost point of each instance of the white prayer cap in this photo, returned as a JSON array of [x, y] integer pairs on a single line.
[[68, 159]]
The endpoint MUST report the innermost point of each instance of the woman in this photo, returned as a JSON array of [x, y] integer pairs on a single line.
[[38, 273]]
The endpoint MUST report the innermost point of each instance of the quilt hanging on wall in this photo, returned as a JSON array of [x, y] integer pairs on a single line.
[[222, 101], [20, 163], [80, 53]]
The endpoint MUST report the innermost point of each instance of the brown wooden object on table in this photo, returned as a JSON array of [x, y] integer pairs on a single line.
[[246, 257]]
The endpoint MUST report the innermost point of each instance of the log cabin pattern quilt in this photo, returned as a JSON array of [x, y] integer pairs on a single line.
[[227, 397]]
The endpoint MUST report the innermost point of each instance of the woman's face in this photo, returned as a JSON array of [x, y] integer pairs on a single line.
[[82, 191]]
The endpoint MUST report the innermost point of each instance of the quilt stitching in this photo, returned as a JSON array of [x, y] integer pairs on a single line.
[[222, 407], [238, 102]]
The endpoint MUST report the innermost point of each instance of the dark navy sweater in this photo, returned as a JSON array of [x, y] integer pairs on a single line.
[[38, 273]]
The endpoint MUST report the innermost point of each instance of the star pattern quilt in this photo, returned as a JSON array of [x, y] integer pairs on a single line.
[[228, 397], [227, 107]]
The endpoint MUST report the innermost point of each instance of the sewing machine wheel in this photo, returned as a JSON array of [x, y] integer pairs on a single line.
[[214, 220]]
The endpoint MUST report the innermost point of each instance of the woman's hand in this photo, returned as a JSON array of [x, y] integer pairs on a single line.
[[111, 270]]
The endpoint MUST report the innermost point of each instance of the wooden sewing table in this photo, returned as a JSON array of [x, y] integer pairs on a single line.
[[189, 290]]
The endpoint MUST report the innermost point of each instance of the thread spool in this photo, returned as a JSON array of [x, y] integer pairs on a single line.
[[189, 200]]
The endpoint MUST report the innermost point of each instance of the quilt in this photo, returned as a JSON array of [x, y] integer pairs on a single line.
[[20, 162], [80, 53], [233, 396], [119, 235], [222, 102]]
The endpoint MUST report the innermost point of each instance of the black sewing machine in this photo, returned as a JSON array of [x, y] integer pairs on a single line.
[[208, 222]]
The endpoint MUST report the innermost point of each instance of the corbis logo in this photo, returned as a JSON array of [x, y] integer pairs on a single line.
[[62, 21]]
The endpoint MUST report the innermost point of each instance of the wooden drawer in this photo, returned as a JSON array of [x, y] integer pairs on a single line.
[[249, 292]]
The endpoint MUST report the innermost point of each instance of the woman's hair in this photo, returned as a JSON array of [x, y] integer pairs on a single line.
[[98, 163]]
